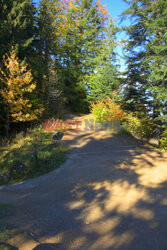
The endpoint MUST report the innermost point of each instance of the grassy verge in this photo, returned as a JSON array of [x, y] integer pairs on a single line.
[[30, 156], [125, 131]]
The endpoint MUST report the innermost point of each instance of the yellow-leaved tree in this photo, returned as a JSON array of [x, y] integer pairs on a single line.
[[16, 81]]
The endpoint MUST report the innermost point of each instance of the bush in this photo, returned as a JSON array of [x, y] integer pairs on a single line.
[[29, 156], [107, 110], [163, 140], [140, 127], [125, 130]]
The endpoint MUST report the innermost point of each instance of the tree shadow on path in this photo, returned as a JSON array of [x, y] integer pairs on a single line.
[[111, 195]]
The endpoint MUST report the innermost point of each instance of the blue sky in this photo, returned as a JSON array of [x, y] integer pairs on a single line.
[[115, 8]]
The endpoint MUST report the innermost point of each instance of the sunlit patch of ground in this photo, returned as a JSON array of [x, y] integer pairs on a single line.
[[150, 168], [104, 200]]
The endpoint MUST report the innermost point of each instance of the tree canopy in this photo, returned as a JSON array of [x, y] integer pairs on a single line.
[[69, 46]]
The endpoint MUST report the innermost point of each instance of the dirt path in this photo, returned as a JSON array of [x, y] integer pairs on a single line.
[[110, 194]]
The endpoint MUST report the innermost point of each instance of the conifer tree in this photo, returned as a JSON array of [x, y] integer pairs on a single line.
[[104, 81], [17, 82], [145, 87], [157, 59], [86, 28], [17, 27], [77, 46]]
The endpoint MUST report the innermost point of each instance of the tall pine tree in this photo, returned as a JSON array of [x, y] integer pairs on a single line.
[[145, 83], [104, 81], [17, 27], [18, 30]]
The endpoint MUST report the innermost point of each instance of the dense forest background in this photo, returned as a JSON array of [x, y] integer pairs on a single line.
[[60, 54]]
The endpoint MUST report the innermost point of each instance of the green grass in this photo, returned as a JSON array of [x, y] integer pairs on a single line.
[[30, 156], [125, 131]]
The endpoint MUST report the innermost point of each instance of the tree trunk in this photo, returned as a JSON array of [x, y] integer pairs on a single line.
[[36, 157]]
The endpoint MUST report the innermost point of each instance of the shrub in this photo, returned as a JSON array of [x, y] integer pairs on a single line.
[[141, 127], [163, 140], [107, 110], [125, 130], [30, 156]]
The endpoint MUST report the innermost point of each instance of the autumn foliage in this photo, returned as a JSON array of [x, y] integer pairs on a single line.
[[102, 10], [69, 17], [17, 81], [107, 110]]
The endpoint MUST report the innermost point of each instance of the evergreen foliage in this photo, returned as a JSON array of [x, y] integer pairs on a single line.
[[145, 82], [69, 47], [17, 27]]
